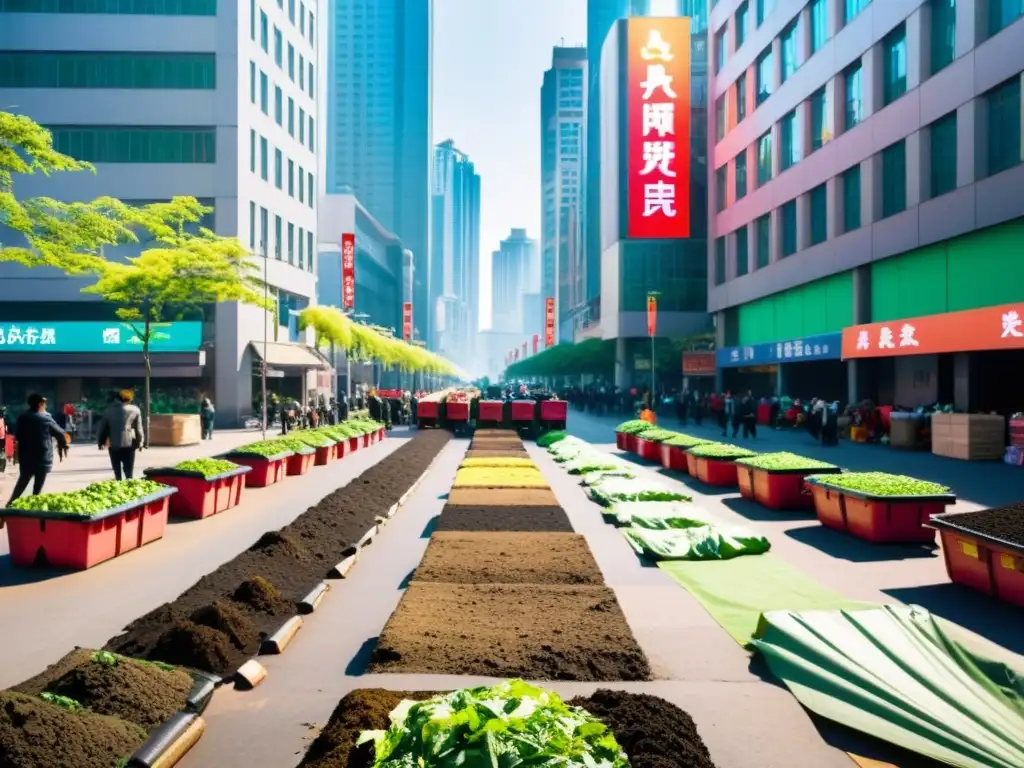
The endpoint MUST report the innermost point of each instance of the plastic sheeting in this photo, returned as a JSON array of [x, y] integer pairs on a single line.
[[612, 489], [662, 515], [894, 673], [703, 543]]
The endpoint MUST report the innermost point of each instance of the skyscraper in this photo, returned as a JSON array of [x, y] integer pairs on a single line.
[[515, 274], [562, 135], [454, 286], [378, 121]]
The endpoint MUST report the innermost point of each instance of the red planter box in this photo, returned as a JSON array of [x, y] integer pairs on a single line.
[[197, 496], [523, 410], [648, 450], [673, 457], [265, 471], [426, 409], [300, 463], [75, 542], [764, 414], [879, 520], [631, 443], [457, 411], [354, 443], [721, 474], [492, 411], [622, 441], [554, 410], [777, 490], [325, 454], [382, 433], [982, 563], [230, 491]]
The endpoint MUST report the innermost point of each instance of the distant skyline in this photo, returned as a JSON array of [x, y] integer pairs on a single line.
[[489, 63]]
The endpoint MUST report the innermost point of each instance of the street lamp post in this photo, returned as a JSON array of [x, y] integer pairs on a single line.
[[266, 319]]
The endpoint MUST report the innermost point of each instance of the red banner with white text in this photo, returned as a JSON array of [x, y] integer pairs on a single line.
[[407, 321], [348, 271], [549, 322]]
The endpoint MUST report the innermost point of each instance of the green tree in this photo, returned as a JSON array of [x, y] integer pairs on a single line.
[[181, 272]]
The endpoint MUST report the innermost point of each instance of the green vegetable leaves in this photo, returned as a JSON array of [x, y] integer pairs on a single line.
[[64, 702], [882, 484], [206, 467], [783, 461], [91, 500], [722, 451], [634, 427]]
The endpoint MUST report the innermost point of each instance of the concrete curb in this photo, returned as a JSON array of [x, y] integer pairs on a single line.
[[169, 742], [249, 675], [277, 642], [367, 538], [342, 569], [311, 602]]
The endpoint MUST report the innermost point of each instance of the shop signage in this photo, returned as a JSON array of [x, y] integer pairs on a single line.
[[973, 330], [652, 315], [348, 271], [549, 322], [825, 346], [658, 101], [699, 364], [115, 336], [407, 321]]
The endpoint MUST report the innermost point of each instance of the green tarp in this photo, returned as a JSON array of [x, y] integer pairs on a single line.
[[701, 543], [893, 672]]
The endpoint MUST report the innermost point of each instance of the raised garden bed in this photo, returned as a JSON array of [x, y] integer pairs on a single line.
[[652, 732], [219, 622], [673, 451], [554, 413], [985, 550], [205, 486], [508, 558], [523, 411], [776, 480], [268, 461], [879, 507], [627, 432], [300, 462], [537, 632], [712, 463], [506, 518], [491, 412], [81, 539], [502, 497]]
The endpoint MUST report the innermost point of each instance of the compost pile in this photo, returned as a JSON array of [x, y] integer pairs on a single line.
[[1004, 523], [219, 622]]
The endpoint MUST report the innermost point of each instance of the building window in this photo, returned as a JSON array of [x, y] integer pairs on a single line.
[[942, 152], [787, 217], [1004, 125], [819, 25], [719, 260], [291, 11], [278, 169], [894, 64], [789, 49], [252, 150], [291, 62], [278, 106], [309, 190], [264, 32], [312, 134], [291, 178], [742, 19], [764, 159], [291, 116], [252, 226], [252, 81], [721, 49], [741, 175], [764, 76], [851, 8], [291, 243], [764, 7], [302, 126], [302, 244], [763, 230], [278, 47], [720, 117], [819, 214], [1002, 13], [309, 251], [853, 81], [821, 120], [302, 73], [721, 188], [264, 160], [851, 198], [789, 139], [252, 19], [742, 252], [264, 94], [134, 144], [943, 34], [264, 231], [310, 82], [894, 179], [277, 237], [119, 7], [180, 71], [741, 97], [302, 185]]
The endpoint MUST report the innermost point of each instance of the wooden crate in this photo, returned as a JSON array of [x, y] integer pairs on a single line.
[[969, 436], [169, 429]]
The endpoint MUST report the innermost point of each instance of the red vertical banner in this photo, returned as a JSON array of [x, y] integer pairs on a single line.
[[407, 321], [536, 343], [658, 100], [348, 271], [652, 315], [549, 322]]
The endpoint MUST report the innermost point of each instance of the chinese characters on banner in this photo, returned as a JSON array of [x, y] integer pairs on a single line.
[[699, 364], [16, 336], [973, 330], [536, 343], [659, 127], [549, 322], [348, 271], [407, 321], [652, 315]]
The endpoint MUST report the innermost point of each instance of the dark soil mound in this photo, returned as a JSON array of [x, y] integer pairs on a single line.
[[653, 732], [35, 734], [226, 618], [275, 543], [193, 645], [260, 595], [133, 691], [515, 519], [1006, 523]]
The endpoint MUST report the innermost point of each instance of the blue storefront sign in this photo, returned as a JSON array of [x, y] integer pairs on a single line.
[[114, 336], [825, 346]]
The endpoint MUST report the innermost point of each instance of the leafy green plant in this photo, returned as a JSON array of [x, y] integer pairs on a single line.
[[106, 658], [657, 435], [264, 448], [720, 451], [312, 439], [783, 461], [64, 702], [681, 440], [206, 467], [550, 438], [882, 484], [502, 726], [615, 489], [91, 500], [634, 427]]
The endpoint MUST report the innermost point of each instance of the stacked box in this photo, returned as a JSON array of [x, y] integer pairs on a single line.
[[969, 436]]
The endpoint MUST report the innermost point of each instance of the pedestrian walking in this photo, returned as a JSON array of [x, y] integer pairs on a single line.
[[749, 414], [35, 432], [121, 431], [207, 415]]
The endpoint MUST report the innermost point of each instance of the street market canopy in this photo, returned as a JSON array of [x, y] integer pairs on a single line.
[[284, 355]]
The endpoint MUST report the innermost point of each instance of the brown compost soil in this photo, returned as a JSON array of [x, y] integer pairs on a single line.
[[508, 558], [532, 631], [134, 691], [654, 733], [496, 444], [36, 734], [485, 454], [502, 497], [218, 623], [491, 432], [1006, 523], [497, 519]]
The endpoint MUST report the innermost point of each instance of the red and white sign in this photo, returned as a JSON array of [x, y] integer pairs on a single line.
[[407, 321], [348, 271], [549, 322], [699, 363], [658, 100]]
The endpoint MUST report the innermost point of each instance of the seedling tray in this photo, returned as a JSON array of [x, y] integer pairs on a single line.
[[199, 496], [980, 561], [778, 488]]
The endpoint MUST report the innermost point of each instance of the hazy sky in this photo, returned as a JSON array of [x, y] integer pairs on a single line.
[[489, 62]]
